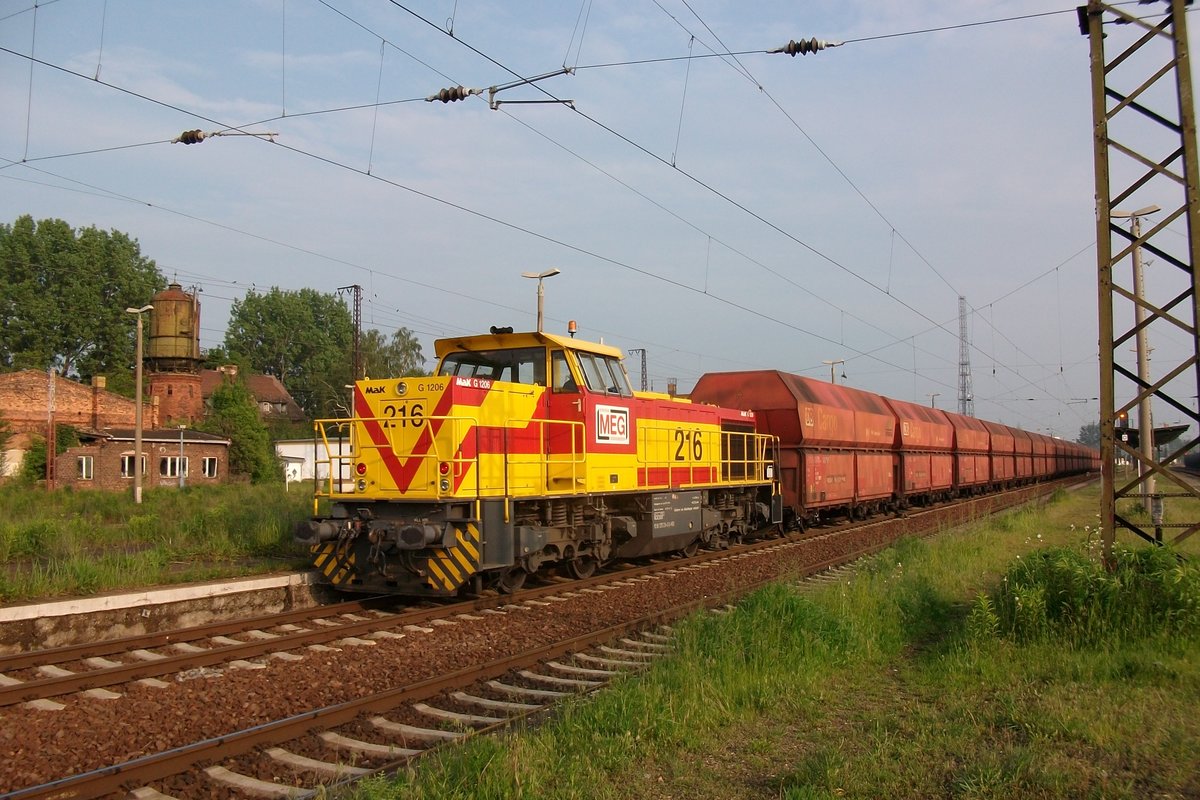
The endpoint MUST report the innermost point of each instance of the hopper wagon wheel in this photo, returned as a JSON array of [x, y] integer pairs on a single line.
[[581, 567]]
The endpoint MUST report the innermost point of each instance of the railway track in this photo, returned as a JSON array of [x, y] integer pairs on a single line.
[[337, 708]]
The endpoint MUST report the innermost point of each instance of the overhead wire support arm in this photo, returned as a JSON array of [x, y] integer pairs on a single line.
[[456, 93], [804, 47], [494, 104]]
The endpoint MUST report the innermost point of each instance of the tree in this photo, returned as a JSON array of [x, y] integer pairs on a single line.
[[1089, 435], [388, 358], [235, 416], [63, 295], [301, 337], [33, 465]]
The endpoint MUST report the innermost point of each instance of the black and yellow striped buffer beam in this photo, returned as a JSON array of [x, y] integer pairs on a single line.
[[451, 567], [334, 565]]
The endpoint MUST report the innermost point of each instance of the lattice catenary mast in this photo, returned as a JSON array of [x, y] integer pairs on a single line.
[[966, 398], [1145, 155], [356, 291]]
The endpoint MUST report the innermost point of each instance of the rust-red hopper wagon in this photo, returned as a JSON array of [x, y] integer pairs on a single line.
[[972, 444], [925, 444], [1002, 464], [835, 443]]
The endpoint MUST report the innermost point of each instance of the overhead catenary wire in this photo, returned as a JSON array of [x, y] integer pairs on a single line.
[[828, 259], [232, 129], [456, 93], [93, 190], [744, 71]]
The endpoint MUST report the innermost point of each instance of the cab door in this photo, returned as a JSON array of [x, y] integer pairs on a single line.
[[565, 448]]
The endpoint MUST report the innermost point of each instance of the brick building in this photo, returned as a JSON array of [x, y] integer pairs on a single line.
[[25, 403], [104, 459], [274, 401]]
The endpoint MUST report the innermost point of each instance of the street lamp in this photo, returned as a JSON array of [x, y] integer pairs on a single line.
[[179, 466], [933, 396], [832, 363], [541, 292], [137, 409], [1145, 411]]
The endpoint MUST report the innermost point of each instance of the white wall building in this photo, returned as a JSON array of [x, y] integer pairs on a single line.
[[303, 462]]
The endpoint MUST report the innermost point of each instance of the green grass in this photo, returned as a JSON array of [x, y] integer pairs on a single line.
[[925, 675], [82, 542]]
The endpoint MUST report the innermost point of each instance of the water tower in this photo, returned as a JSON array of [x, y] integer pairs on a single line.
[[173, 358]]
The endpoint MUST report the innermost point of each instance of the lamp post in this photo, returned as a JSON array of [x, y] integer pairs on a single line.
[[833, 363], [541, 292], [181, 460], [137, 409], [1145, 411], [933, 396]]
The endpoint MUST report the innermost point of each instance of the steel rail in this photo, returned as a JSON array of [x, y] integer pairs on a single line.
[[45, 688], [75, 652], [171, 762]]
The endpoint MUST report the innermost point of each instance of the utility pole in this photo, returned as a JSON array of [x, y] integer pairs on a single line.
[[966, 398], [51, 433], [137, 408], [357, 292], [645, 377]]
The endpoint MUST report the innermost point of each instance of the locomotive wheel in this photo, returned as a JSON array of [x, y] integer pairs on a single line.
[[511, 581], [582, 567], [691, 548]]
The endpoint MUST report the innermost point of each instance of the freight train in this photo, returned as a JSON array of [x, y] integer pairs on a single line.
[[531, 451]]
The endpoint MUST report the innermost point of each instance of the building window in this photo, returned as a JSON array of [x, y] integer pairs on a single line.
[[127, 465], [85, 467], [210, 467], [173, 467]]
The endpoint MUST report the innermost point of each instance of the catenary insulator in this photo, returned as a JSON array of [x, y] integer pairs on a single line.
[[804, 47], [190, 137], [450, 95]]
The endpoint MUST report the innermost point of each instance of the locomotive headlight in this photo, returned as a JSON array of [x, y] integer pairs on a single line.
[[362, 485], [401, 388], [444, 468], [444, 485], [361, 468]]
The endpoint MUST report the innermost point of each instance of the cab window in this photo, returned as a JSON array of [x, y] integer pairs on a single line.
[[515, 365], [560, 373], [604, 374]]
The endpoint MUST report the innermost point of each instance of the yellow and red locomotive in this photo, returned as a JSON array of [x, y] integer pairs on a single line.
[[527, 450]]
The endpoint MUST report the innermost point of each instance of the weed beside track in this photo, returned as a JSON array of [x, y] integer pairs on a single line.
[[891, 683]]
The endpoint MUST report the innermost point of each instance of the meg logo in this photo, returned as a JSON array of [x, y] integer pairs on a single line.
[[612, 425]]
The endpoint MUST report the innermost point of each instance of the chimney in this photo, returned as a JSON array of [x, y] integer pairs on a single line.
[[98, 384]]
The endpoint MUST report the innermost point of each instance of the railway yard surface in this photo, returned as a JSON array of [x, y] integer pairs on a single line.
[[305, 694]]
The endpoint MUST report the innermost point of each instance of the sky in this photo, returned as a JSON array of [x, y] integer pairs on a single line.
[[722, 212]]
